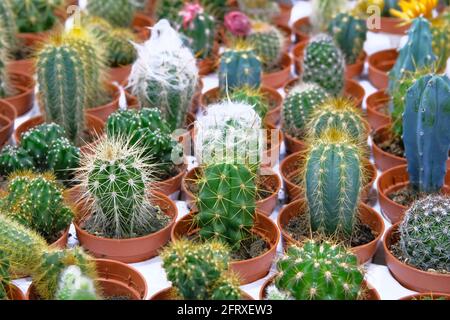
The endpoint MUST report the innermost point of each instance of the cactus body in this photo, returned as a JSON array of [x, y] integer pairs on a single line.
[[8, 24], [14, 159], [169, 9], [216, 7], [5, 87], [252, 97], [73, 285], [323, 11], [4, 276], [119, 13], [35, 15], [441, 42], [268, 43]]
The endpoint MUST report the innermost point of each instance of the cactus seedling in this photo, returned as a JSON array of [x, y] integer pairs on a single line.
[[119, 13], [323, 11], [35, 15], [73, 285], [268, 43]]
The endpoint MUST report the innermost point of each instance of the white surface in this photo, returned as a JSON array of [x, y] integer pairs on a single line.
[[377, 275]]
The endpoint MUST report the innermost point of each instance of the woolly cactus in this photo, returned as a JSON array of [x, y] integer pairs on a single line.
[[73, 285], [323, 11], [119, 13], [14, 159], [333, 177], [424, 234], [8, 25], [298, 106], [259, 9], [324, 64], [239, 67], [350, 33], [4, 276], [169, 9], [165, 75], [200, 271], [36, 201], [252, 97], [35, 15], [320, 271], [268, 43], [425, 134]]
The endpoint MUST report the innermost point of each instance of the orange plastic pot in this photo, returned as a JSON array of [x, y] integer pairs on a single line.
[[7, 117], [278, 79], [24, 86], [375, 102], [171, 185], [301, 29], [26, 66], [392, 25], [427, 296], [14, 293], [380, 64]]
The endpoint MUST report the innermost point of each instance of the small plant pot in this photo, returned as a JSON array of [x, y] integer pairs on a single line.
[[284, 17], [385, 160], [370, 292], [271, 154], [8, 111], [169, 294], [14, 293], [380, 64], [248, 270], [119, 74], [141, 24], [392, 25], [302, 29], [171, 185], [367, 216], [427, 296], [279, 78], [61, 243], [26, 66], [292, 144], [128, 250], [24, 98], [408, 276], [394, 180], [375, 103], [268, 182], [6, 123]]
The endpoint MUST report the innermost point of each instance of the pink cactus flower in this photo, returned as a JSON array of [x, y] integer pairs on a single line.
[[238, 24]]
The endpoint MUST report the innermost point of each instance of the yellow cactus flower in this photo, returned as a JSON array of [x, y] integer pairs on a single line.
[[411, 9]]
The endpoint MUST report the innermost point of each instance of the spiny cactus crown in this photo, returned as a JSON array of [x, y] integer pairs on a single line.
[[268, 43], [323, 11], [73, 285], [35, 15], [119, 13], [253, 97]]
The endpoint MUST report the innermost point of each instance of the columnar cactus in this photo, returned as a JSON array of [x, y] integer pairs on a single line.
[[424, 234], [333, 177], [252, 97], [299, 104], [259, 9], [350, 33], [35, 15], [268, 43], [239, 67], [425, 132], [36, 201], [323, 11], [119, 13], [320, 271], [14, 159], [4, 276], [200, 271], [73, 285], [8, 25], [165, 74], [324, 64]]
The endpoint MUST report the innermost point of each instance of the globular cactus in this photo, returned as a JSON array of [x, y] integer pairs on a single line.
[[268, 42], [73, 285], [165, 74], [320, 271], [323, 11], [425, 132], [200, 271], [35, 15], [333, 177], [324, 64], [340, 114], [8, 25], [119, 13], [226, 203], [36, 201], [14, 159], [169, 9], [199, 28], [259, 9], [350, 33], [298, 106], [424, 234], [239, 67], [252, 97], [4, 276]]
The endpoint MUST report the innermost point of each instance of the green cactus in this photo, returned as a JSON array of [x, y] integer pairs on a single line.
[[169, 9], [200, 271], [441, 42], [5, 86], [350, 33], [259, 9], [5, 278], [320, 271], [36, 201], [324, 64], [268, 42], [252, 97], [14, 159], [218, 8], [298, 107], [73, 285], [333, 177], [8, 25], [35, 15], [323, 11], [119, 13]]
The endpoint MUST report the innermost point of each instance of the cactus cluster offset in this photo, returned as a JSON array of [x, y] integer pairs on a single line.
[[333, 177], [425, 132], [324, 64], [73, 285], [298, 106], [119, 13], [424, 234], [200, 271], [350, 33], [35, 15], [320, 271], [252, 97], [268, 42]]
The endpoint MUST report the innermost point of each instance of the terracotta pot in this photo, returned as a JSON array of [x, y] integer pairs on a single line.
[[392, 25], [301, 29], [118, 271], [171, 185], [141, 24], [14, 293], [380, 64], [103, 112], [264, 206], [8, 111], [6, 129], [284, 17], [371, 293], [128, 250], [384, 160], [427, 296], [24, 86], [366, 214], [278, 79], [26, 66], [271, 154], [375, 102], [408, 276], [168, 294], [119, 74], [394, 180], [61, 243], [292, 144], [249, 270]]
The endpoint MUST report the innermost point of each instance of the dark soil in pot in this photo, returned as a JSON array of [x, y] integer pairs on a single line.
[[394, 145]]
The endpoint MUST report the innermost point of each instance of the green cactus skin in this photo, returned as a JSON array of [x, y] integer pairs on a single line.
[[268, 43], [169, 9], [226, 203], [218, 8], [323, 11], [200, 271], [350, 33], [253, 97], [424, 234], [320, 271], [73, 285], [333, 180], [441, 43], [4, 276], [119, 13], [259, 9], [8, 25], [36, 201], [239, 68], [14, 159], [35, 15], [324, 64], [425, 132], [298, 107]]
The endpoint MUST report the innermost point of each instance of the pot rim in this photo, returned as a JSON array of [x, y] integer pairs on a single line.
[[385, 154]]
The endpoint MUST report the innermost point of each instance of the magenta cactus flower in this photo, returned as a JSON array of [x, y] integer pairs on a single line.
[[238, 24]]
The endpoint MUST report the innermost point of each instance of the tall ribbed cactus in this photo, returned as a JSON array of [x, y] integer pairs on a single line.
[[165, 74], [425, 134], [323, 11], [119, 13], [268, 43], [73, 285], [350, 33], [8, 25], [35, 15], [333, 177]]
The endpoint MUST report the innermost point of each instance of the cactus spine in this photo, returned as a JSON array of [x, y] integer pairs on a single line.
[[268, 43], [35, 15], [425, 134], [73, 285], [119, 13], [323, 11]]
